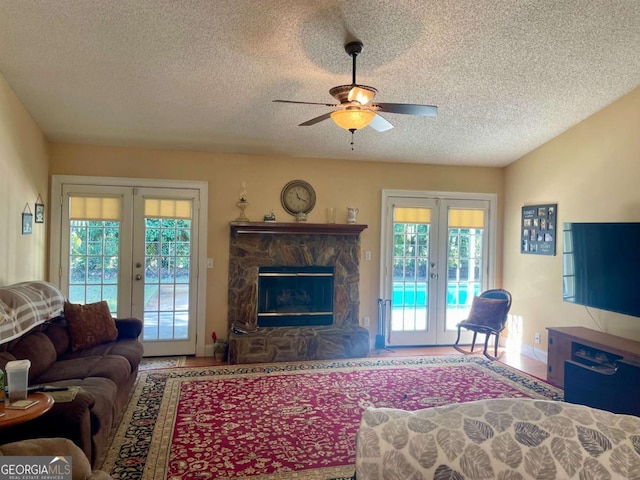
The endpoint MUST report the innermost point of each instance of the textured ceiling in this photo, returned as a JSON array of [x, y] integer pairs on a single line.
[[507, 75]]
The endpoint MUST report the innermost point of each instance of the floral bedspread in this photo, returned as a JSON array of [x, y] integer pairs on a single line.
[[498, 438]]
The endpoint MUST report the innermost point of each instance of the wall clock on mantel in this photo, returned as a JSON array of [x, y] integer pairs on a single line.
[[298, 198]]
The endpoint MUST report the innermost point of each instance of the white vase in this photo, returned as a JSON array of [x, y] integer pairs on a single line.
[[352, 214]]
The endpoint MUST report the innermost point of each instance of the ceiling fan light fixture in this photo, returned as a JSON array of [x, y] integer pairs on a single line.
[[355, 110], [352, 119], [361, 94]]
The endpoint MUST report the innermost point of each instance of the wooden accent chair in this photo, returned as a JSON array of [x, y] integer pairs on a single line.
[[488, 315]]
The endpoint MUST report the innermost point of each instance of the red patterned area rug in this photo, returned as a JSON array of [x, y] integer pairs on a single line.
[[287, 420]]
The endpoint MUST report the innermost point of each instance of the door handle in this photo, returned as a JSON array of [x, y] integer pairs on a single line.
[[138, 277]]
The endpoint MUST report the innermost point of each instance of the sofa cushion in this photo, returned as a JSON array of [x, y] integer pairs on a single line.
[[95, 393], [36, 347], [104, 414], [132, 350], [113, 367], [90, 324], [58, 333]]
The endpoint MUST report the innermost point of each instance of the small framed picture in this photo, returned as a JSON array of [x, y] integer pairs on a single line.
[[27, 223], [39, 213]]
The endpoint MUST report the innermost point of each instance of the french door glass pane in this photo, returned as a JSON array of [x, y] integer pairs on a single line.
[[410, 283], [166, 278], [94, 262], [464, 272]]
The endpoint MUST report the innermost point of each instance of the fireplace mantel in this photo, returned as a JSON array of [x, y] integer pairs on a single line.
[[297, 228]]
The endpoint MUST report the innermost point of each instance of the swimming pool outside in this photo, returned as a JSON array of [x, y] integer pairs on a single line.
[[415, 294]]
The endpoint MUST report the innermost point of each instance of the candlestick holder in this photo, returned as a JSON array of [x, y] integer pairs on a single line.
[[242, 205]]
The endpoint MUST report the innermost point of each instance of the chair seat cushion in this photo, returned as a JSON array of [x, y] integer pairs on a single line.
[[474, 327]]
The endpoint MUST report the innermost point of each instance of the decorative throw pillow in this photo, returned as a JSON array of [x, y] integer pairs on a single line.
[[488, 311], [90, 324]]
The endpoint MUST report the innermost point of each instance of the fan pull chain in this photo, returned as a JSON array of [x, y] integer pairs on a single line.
[[352, 130]]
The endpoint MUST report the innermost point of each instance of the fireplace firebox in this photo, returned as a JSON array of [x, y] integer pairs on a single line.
[[295, 296]]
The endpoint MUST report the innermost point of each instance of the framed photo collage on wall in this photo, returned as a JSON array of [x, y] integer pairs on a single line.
[[538, 229]]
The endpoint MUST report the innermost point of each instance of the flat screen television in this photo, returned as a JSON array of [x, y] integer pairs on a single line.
[[601, 266]]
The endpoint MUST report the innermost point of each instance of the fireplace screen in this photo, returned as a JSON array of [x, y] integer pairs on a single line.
[[295, 296]]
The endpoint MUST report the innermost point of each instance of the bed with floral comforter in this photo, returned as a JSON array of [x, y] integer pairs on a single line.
[[505, 439]]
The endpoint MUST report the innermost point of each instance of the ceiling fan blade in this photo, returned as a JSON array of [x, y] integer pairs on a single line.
[[315, 120], [307, 103], [380, 124], [408, 109]]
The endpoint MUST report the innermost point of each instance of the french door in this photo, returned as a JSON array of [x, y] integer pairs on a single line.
[[138, 249], [436, 258]]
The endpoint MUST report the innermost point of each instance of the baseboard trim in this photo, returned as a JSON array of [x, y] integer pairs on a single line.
[[532, 352]]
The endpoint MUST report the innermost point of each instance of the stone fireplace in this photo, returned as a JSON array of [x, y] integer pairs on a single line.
[[294, 292]]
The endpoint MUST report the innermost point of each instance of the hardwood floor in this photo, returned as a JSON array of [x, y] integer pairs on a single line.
[[521, 362]]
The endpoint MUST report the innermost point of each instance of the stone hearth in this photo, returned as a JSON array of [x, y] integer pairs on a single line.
[[254, 245]]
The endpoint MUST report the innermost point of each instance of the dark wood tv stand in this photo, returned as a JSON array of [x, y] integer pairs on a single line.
[[595, 368], [591, 348]]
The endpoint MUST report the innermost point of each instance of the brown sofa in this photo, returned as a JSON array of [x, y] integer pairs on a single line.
[[104, 372]]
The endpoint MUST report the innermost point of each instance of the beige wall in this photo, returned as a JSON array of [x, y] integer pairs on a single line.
[[337, 184], [592, 172], [24, 167]]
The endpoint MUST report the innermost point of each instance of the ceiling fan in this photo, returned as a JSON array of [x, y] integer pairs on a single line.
[[355, 110]]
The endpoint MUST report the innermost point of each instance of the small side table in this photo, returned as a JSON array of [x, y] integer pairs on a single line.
[[13, 417]]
